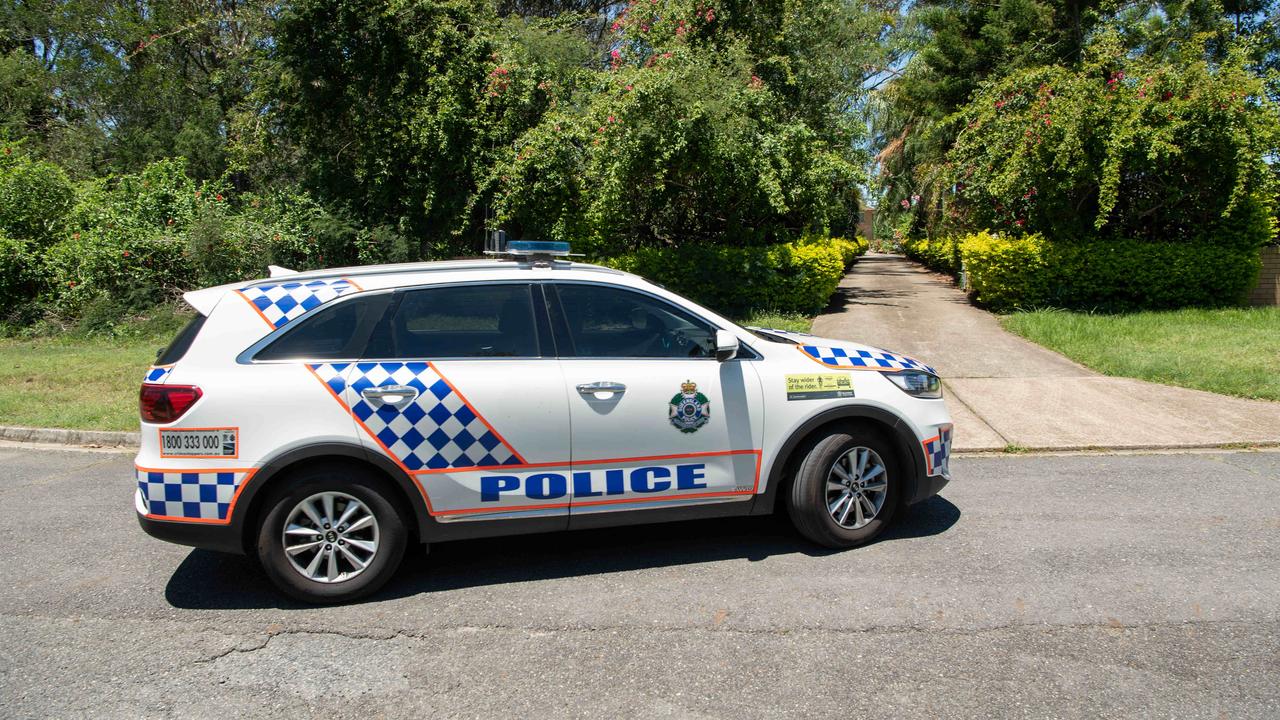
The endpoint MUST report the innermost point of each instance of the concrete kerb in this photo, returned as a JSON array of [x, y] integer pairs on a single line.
[[59, 436], [105, 439]]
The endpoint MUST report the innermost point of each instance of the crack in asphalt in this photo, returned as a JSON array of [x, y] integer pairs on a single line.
[[384, 635]]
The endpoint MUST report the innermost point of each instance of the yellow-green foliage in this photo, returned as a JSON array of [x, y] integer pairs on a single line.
[[940, 253], [787, 277], [1032, 271], [850, 250]]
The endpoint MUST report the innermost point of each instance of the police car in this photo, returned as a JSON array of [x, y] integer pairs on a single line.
[[324, 421]]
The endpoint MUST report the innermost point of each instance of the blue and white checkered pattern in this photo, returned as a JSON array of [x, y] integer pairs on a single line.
[[189, 495], [157, 375], [280, 304], [863, 359], [938, 451], [435, 431]]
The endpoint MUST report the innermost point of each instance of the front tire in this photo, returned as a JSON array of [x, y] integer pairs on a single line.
[[846, 488], [331, 536]]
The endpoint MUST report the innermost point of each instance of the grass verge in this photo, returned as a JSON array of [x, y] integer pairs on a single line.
[[1232, 351], [794, 322], [78, 383], [84, 376]]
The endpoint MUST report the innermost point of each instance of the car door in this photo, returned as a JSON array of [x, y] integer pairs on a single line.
[[461, 388], [656, 420]]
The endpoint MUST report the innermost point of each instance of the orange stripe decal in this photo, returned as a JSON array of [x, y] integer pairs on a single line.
[[436, 369], [256, 309]]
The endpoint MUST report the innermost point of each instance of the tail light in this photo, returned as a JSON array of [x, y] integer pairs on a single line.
[[165, 403]]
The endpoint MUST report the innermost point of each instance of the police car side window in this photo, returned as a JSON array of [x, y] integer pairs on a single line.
[[614, 322], [459, 321], [333, 332]]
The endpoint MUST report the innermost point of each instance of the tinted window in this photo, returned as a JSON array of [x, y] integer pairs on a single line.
[[331, 333], [613, 322], [460, 321], [181, 342]]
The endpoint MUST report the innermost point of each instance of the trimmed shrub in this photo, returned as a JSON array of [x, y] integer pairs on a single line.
[[850, 250], [787, 277], [940, 253], [1110, 275]]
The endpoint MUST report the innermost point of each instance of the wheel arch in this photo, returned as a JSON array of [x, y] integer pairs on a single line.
[[251, 504], [895, 427]]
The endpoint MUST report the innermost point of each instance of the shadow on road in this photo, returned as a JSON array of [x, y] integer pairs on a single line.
[[211, 580], [846, 296]]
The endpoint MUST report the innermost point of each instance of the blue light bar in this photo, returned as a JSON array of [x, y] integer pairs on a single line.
[[537, 247]]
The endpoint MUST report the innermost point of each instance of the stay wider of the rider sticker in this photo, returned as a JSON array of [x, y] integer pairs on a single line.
[[819, 386]]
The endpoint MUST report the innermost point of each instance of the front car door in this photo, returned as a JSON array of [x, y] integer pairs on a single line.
[[656, 420], [460, 386]]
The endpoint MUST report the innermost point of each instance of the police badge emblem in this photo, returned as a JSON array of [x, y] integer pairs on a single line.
[[689, 409]]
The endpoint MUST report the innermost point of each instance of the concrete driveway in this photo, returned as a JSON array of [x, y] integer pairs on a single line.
[[1036, 586], [1004, 390]]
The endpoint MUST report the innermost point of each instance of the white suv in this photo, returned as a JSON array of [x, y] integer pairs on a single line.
[[325, 420]]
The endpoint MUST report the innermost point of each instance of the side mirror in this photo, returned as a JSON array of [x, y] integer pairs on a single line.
[[726, 345]]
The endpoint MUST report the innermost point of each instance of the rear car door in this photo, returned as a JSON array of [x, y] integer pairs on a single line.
[[461, 388], [657, 421]]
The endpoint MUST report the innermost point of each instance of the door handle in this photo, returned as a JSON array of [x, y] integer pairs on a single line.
[[393, 395], [604, 387]]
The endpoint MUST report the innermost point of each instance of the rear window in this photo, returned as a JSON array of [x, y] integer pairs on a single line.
[[332, 333], [182, 342]]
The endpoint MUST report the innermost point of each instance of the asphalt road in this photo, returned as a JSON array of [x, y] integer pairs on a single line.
[[1078, 586]]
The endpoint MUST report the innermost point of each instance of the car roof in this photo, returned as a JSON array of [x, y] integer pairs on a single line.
[[382, 277], [416, 268]]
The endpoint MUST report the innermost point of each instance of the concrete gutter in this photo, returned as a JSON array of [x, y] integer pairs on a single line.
[[58, 436]]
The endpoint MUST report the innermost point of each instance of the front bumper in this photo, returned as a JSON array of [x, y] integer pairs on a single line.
[[935, 469], [927, 486]]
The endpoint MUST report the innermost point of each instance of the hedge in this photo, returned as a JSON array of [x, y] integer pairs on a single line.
[[788, 277], [1007, 273], [940, 253]]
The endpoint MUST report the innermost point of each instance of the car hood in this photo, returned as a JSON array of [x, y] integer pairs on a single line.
[[846, 354]]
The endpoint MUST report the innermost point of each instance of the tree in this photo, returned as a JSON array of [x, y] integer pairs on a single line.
[[111, 86], [383, 101], [729, 123], [1133, 148], [958, 46]]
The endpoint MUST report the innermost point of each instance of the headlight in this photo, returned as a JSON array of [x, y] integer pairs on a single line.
[[917, 384]]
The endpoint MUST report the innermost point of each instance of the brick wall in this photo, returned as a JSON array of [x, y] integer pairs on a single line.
[[866, 221], [1268, 290]]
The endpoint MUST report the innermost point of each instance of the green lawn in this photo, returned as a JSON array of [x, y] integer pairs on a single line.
[[1233, 351], [778, 321], [73, 383]]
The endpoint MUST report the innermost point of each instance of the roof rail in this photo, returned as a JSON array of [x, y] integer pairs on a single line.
[[425, 267]]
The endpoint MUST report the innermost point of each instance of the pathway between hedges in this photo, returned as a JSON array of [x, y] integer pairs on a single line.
[[1003, 390]]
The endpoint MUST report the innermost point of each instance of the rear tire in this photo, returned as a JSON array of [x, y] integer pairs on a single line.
[[331, 535], [846, 488]]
